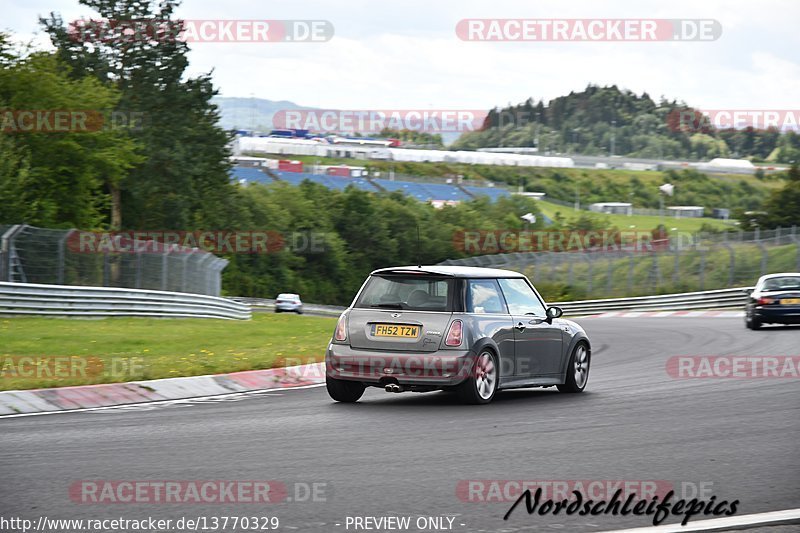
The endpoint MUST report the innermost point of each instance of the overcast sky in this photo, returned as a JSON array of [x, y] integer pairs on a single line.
[[405, 54]]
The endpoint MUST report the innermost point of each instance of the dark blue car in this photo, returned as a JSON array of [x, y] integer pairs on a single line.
[[774, 300]]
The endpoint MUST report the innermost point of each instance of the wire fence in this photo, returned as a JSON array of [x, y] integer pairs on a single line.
[[703, 262], [50, 256]]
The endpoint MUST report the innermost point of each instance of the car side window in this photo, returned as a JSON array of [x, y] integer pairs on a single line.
[[520, 298], [483, 297]]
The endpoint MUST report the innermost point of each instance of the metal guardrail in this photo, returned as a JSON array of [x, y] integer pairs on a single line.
[[719, 299], [267, 304], [75, 301]]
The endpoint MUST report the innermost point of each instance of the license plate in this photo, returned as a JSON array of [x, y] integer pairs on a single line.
[[790, 301], [395, 330]]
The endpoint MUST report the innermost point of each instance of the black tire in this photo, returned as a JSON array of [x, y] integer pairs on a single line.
[[573, 384], [474, 389], [299, 311], [344, 391], [752, 323], [277, 310]]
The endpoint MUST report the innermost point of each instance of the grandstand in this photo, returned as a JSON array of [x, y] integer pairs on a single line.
[[249, 175], [493, 193], [424, 192]]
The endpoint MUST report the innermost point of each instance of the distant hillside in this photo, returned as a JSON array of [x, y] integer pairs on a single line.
[[257, 113], [594, 121], [251, 113]]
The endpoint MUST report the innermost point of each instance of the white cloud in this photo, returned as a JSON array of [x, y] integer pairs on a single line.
[[406, 55]]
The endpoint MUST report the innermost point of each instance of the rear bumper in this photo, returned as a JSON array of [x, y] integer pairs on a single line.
[[288, 307], [443, 368], [785, 315]]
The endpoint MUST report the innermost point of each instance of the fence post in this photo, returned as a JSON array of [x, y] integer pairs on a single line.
[[657, 270], [138, 281], [106, 270], [796, 241], [676, 271], [702, 273], [202, 279], [62, 242], [165, 269], [5, 254], [732, 264], [184, 281], [591, 272], [569, 273], [631, 265], [764, 257]]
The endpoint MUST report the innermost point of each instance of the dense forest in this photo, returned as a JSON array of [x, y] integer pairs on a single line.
[[605, 120]]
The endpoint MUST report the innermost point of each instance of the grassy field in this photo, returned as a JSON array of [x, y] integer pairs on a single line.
[[130, 349], [640, 222]]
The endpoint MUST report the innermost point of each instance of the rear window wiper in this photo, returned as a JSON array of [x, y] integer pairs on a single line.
[[389, 306]]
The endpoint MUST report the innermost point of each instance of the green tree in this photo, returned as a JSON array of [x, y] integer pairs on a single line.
[[783, 205], [62, 178], [183, 182]]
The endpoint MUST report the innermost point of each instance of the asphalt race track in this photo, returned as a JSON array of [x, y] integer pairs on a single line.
[[405, 454]]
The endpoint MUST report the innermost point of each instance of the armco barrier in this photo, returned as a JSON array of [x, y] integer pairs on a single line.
[[719, 299], [266, 304], [78, 301]]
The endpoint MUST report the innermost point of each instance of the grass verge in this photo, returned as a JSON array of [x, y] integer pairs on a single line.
[[54, 352]]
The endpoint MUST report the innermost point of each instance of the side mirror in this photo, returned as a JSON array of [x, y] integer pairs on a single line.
[[747, 291], [554, 312]]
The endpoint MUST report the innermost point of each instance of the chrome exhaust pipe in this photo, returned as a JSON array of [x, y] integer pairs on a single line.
[[393, 387]]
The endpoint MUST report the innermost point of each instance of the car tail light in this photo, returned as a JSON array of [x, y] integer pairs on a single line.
[[341, 329], [454, 334], [765, 301]]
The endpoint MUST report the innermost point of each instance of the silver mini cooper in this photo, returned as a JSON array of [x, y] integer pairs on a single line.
[[470, 330]]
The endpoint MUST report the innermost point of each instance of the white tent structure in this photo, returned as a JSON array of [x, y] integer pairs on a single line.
[[721, 162], [277, 145], [290, 146]]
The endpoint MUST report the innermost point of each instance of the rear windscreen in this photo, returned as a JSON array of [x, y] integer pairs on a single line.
[[413, 293], [782, 283]]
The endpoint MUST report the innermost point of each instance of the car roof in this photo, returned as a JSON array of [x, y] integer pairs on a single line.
[[779, 275], [452, 271]]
